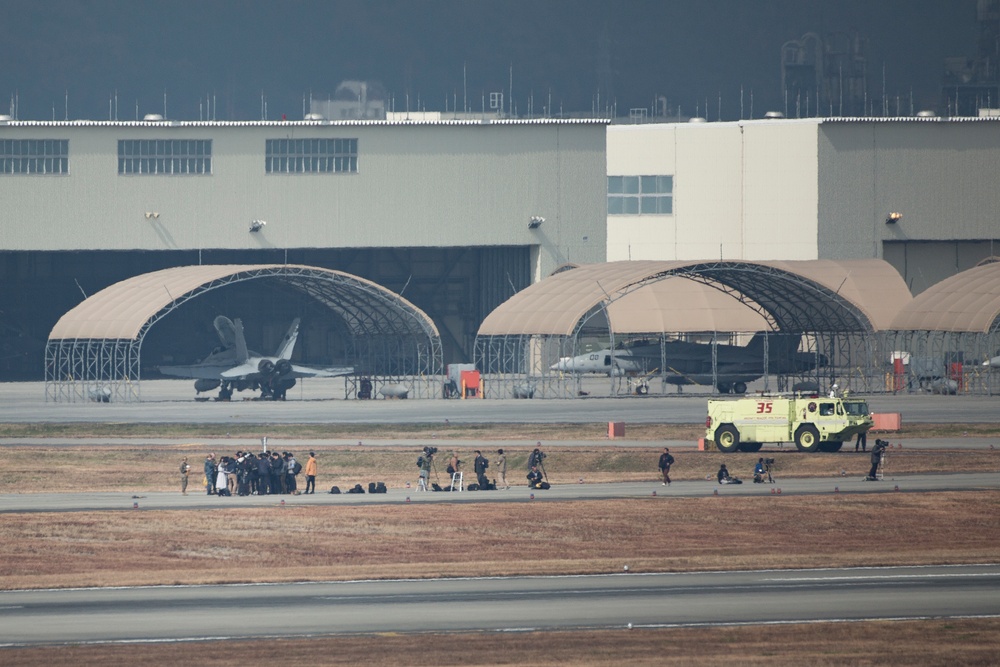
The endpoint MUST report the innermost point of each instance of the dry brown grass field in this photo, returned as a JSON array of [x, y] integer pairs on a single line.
[[943, 643], [331, 542], [231, 544]]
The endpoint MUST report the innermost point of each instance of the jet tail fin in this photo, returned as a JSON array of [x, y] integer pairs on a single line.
[[241, 342], [226, 330], [288, 342]]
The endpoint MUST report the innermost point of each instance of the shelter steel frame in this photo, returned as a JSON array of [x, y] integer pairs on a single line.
[[942, 362], [791, 304], [390, 341]]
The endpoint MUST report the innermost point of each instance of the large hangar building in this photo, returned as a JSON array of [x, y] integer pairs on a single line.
[[918, 192], [454, 215]]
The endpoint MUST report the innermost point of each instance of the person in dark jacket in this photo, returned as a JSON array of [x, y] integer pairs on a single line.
[[480, 464], [210, 471], [877, 450], [263, 474], [666, 460]]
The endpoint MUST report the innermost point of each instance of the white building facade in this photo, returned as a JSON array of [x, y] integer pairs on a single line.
[[808, 189]]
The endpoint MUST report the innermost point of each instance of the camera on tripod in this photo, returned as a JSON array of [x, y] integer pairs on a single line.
[[430, 450]]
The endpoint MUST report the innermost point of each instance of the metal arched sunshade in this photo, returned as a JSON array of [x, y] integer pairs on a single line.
[[94, 349]]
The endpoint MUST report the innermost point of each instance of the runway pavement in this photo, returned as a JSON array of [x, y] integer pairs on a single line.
[[496, 604], [786, 488], [171, 401]]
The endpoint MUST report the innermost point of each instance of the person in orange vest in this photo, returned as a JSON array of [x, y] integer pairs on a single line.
[[311, 468]]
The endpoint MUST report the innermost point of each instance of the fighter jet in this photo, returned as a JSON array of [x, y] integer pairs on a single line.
[[691, 363], [233, 366]]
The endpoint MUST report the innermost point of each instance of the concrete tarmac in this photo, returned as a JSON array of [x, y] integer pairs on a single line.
[[833, 487], [497, 604], [313, 401]]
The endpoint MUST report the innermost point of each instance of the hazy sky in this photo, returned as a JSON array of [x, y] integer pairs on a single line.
[[237, 50]]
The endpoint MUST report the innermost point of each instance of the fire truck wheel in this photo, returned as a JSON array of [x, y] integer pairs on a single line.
[[807, 438], [727, 438]]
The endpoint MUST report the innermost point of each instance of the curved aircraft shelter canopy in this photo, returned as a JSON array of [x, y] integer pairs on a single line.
[[947, 339], [94, 349], [831, 309]]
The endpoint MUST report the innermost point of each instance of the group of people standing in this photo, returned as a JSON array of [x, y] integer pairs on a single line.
[[247, 474]]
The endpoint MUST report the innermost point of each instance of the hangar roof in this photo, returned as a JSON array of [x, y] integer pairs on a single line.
[[123, 311], [967, 302], [816, 295]]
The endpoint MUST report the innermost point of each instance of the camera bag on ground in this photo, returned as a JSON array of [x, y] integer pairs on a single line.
[[334, 489]]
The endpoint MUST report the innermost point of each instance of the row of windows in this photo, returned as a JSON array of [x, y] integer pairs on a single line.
[[165, 165], [182, 156], [311, 156], [640, 195], [34, 156]]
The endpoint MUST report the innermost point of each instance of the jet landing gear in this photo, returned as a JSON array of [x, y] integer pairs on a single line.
[[732, 387]]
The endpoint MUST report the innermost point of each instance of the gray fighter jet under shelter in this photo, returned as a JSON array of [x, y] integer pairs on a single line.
[[233, 366], [684, 363]]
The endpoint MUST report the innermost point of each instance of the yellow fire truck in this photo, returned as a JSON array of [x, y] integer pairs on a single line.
[[814, 423]]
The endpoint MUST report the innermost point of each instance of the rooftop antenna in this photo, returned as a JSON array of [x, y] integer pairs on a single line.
[[67, 105], [465, 90], [164, 102]]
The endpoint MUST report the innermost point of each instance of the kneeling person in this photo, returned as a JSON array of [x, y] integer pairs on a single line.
[[535, 480]]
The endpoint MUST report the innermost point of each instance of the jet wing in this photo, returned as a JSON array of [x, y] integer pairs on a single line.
[[195, 371], [238, 372], [308, 372], [251, 368]]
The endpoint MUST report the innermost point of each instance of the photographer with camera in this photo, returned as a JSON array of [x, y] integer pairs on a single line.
[[535, 461], [425, 462], [480, 464], [762, 469], [535, 480], [877, 453]]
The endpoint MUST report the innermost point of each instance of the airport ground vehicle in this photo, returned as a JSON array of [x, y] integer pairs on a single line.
[[813, 422]]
